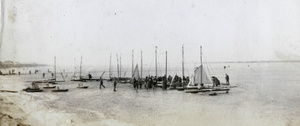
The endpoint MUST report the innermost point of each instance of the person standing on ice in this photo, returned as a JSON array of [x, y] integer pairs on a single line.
[[101, 83], [89, 76], [115, 85], [227, 79], [217, 82], [213, 78], [135, 84]]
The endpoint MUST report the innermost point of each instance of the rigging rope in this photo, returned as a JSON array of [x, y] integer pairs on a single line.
[[208, 68]]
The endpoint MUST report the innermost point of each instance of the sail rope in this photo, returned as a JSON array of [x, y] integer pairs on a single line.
[[125, 72], [210, 72], [74, 67]]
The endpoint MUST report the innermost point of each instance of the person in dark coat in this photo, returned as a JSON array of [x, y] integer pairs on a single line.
[[101, 83], [164, 83], [227, 79], [150, 83], [218, 82], [115, 85], [213, 78], [90, 76], [134, 83], [140, 83]]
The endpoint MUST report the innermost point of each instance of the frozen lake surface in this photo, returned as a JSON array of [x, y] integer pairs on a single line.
[[266, 94]]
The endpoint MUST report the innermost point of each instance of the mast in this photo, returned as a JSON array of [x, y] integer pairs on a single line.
[[182, 63], [80, 68], [156, 61], [118, 67], [132, 64], [109, 66], [201, 64], [166, 63], [55, 68], [141, 64], [74, 66]]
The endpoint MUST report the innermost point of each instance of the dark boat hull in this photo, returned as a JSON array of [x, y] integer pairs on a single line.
[[49, 87], [226, 89], [81, 80], [60, 90], [197, 90], [213, 94], [32, 90]]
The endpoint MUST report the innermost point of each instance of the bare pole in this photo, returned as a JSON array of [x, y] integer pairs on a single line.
[[80, 68], [109, 66], [182, 63], [166, 63], [55, 68], [117, 66], [141, 64], [156, 61], [120, 66], [74, 66], [201, 64], [132, 64]]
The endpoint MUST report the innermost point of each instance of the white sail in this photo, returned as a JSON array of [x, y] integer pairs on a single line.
[[136, 73], [197, 74]]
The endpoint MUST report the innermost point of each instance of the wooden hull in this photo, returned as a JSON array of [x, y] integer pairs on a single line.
[[32, 90], [49, 87], [225, 89], [52, 82], [60, 90], [213, 94], [197, 90], [8, 74], [8, 91], [91, 79]]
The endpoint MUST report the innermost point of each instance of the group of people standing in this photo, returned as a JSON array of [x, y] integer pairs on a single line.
[[151, 81], [137, 84]]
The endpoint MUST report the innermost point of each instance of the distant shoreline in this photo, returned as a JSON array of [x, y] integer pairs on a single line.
[[10, 64], [267, 61]]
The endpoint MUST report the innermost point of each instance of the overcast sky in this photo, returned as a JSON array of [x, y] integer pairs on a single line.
[[228, 30]]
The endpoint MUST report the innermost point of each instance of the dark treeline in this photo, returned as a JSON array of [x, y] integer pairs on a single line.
[[10, 64]]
